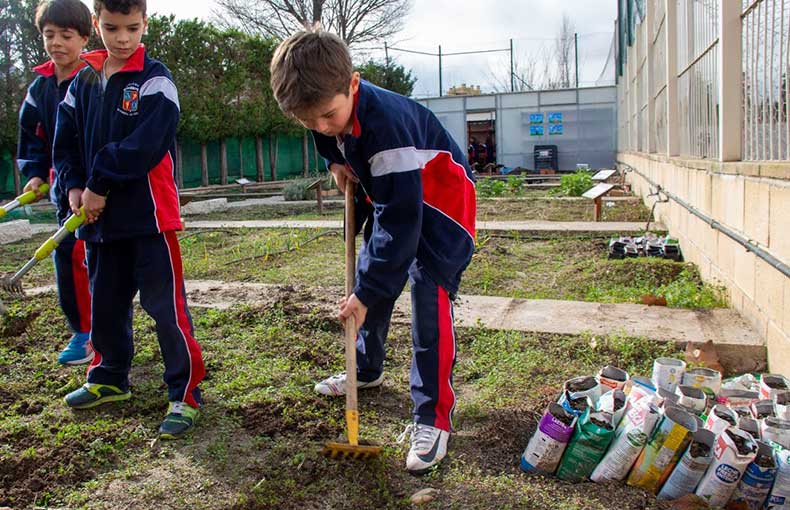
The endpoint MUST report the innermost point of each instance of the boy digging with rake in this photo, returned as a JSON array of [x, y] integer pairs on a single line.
[[420, 227]]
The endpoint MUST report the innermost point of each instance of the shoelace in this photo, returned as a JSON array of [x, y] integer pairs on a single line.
[[422, 436]]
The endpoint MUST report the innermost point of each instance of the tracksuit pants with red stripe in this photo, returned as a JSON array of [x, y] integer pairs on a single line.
[[71, 274], [433, 355], [152, 265]]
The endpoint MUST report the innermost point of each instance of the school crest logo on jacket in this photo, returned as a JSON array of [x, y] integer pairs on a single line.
[[131, 99]]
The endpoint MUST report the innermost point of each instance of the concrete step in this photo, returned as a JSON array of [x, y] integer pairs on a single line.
[[740, 348], [609, 227]]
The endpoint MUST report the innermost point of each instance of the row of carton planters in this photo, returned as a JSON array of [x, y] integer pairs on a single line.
[[729, 446]]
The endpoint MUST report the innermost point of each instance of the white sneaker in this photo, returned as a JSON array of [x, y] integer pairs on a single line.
[[335, 386], [428, 447]]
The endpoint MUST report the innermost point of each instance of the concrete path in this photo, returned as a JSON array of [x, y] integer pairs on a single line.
[[738, 345], [489, 226]]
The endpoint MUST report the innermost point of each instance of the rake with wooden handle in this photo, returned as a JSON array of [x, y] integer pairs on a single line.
[[352, 449]]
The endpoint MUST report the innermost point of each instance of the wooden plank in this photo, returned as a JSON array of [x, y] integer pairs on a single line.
[[598, 191], [603, 175]]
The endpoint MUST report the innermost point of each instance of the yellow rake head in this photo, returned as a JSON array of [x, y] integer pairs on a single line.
[[349, 451]]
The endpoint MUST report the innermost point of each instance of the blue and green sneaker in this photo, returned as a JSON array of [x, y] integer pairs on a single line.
[[78, 351], [92, 395], [180, 419]]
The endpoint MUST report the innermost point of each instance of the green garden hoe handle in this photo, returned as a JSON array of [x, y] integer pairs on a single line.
[[24, 199], [45, 250]]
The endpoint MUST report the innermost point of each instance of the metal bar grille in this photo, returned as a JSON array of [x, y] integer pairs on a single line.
[[766, 56]]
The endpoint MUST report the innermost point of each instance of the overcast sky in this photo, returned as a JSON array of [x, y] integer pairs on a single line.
[[465, 25]]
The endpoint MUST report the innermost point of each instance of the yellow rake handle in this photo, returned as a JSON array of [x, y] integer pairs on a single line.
[[352, 414]]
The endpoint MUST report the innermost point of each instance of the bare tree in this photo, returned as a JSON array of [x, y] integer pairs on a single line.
[[563, 51], [525, 74], [355, 21]]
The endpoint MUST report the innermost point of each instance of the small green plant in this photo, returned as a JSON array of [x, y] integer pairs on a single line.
[[688, 291], [514, 185], [573, 185], [487, 188]]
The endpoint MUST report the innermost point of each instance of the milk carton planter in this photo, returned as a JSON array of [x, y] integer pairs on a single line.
[[734, 450], [547, 444], [782, 401], [780, 493], [750, 426], [763, 409], [756, 482], [612, 378], [592, 436], [576, 391], [706, 379], [691, 399], [668, 372], [630, 438], [663, 450], [720, 418], [770, 384], [613, 402], [776, 430], [691, 468]]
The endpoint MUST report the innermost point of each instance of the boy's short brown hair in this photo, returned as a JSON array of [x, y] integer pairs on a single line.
[[309, 68], [64, 14], [122, 6]]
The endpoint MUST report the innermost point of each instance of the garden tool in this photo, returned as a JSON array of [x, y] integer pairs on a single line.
[[12, 284], [23, 199], [352, 449]]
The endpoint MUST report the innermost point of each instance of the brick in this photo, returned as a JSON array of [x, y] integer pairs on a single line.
[[786, 309], [775, 170], [779, 223], [757, 206], [778, 343], [725, 255], [752, 313], [770, 297], [729, 203]]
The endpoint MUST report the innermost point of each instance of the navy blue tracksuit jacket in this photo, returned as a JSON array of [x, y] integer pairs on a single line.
[[421, 226], [34, 158], [117, 138]]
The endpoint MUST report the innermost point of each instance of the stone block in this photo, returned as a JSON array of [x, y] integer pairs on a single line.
[[757, 209], [770, 290], [205, 206], [13, 231], [744, 271], [779, 223], [778, 343]]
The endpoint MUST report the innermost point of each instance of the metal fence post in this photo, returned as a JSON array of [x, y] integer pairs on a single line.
[[671, 28], [730, 84], [650, 76]]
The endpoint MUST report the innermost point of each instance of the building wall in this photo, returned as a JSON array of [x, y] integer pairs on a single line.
[[589, 124], [752, 199]]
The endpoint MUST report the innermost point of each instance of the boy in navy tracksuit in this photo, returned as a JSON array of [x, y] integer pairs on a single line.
[[420, 200], [114, 151], [65, 26]]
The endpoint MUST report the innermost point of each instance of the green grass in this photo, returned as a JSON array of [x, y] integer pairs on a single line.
[[257, 443], [559, 268], [529, 207]]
